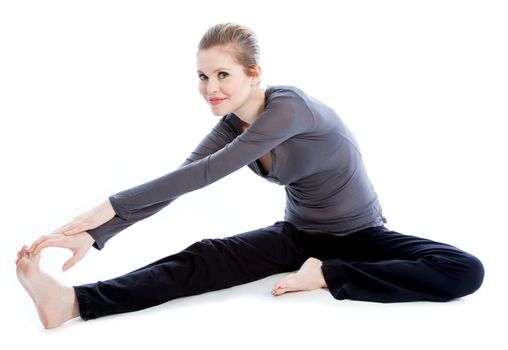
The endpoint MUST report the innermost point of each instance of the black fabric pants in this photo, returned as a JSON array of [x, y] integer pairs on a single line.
[[374, 264]]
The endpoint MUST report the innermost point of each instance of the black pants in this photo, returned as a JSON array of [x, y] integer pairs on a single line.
[[374, 264]]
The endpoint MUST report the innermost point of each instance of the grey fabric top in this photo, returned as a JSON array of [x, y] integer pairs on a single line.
[[314, 155]]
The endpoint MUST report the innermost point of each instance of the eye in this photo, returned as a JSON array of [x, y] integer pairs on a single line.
[[202, 77], [222, 75]]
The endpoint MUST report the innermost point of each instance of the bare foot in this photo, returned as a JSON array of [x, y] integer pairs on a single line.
[[55, 303], [309, 277]]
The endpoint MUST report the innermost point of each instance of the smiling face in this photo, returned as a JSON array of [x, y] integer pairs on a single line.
[[224, 84]]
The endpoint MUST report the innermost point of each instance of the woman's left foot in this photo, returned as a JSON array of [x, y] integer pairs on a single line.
[[55, 303], [309, 277]]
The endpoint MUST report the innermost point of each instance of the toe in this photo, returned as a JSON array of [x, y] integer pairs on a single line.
[[274, 290], [282, 287], [280, 291], [281, 284]]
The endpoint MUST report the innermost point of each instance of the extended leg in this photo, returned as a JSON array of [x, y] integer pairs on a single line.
[[207, 265]]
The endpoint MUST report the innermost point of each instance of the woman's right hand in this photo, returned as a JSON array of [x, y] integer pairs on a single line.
[[74, 235], [79, 244]]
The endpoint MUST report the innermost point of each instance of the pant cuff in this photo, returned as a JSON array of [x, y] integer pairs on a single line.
[[83, 304], [335, 277]]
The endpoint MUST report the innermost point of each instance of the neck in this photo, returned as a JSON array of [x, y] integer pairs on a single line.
[[253, 107]]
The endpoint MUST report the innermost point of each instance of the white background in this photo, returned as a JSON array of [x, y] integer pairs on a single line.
[[99, 96]]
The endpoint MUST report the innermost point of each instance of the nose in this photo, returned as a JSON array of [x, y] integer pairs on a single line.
[[212, 86]]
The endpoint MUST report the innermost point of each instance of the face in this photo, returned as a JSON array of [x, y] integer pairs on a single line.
[[223, 82]]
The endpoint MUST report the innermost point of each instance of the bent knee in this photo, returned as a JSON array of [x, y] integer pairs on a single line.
[[468, 273], [473, 278]]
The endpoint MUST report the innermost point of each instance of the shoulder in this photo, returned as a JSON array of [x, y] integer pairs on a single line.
[[290, 104], [288, 99], [285, 99], [285, 110], [288, 93]]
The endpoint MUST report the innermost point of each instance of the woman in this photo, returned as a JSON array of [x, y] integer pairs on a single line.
[[333, 232]]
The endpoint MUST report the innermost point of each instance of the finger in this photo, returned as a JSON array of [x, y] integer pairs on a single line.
[[34, 249], [73, 228], [72, 261], [65, 228], [58, 242], [39, 241], [78, 229]]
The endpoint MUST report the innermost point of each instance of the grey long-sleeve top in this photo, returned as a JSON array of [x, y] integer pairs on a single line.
[[314, 155]]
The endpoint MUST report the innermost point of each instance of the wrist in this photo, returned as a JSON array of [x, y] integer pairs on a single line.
[[108, 208], [89, 239]]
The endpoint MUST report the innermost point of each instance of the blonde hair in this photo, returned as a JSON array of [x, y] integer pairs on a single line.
[[240, 39]]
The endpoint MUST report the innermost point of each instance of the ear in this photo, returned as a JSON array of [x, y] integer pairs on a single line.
[[255, 74]]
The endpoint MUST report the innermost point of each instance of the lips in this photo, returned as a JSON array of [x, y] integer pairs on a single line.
[[216, 101]]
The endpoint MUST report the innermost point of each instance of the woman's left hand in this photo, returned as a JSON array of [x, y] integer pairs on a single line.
[[91, 219]]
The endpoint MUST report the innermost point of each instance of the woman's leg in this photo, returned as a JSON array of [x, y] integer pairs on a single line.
[[385, 266], [207, 265]]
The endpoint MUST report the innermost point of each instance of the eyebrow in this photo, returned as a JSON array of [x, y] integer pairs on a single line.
[[218, 69]]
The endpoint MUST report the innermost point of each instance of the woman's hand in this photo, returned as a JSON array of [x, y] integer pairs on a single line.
[[89, 220], [79, 244], [73, 235]]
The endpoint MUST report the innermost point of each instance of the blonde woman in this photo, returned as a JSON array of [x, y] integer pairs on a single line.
[[333, 231]]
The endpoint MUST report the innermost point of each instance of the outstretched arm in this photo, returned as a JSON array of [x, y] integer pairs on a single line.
[[282, 118], [219, 154], [96, 226], [217, 138]]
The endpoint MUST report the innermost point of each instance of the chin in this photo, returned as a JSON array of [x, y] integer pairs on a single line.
[[219, 112]]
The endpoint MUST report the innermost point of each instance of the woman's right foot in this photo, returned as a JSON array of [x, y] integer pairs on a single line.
[[55, 303]]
